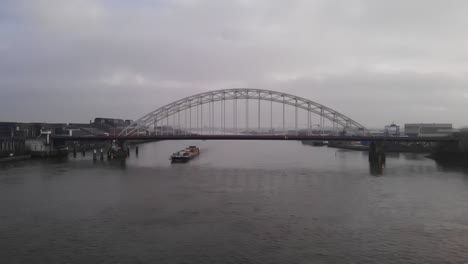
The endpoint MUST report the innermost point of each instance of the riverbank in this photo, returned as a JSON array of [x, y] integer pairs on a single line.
[[15, 158], [402, 148]]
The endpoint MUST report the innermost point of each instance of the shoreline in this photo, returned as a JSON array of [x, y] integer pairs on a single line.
[[15, 158]]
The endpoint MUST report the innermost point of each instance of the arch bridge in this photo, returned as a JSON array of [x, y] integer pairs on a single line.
[[243, 111], [251, 114]]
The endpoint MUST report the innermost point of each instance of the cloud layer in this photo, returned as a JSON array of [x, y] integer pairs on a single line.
[[376, 61]]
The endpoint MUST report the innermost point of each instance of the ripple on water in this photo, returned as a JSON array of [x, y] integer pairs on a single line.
[[298, 204]]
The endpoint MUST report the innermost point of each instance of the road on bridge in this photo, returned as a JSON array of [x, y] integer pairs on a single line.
[[258, 137]]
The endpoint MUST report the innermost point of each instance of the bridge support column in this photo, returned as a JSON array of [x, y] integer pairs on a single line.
[[377, 152], [376, 157]]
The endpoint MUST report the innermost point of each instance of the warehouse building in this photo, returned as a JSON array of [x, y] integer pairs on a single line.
[[428, 130]]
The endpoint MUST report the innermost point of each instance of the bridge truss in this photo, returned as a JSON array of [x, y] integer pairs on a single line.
[[188, 116]]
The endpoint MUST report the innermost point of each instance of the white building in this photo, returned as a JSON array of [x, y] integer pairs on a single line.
[[428, 130]]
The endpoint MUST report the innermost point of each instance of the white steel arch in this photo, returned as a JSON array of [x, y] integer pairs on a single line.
[[199, 100]]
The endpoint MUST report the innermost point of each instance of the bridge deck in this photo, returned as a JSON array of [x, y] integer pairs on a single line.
[[259, 137]]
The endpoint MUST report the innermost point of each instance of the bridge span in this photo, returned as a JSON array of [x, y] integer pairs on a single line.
[[376, 146], [258, 137], [249, 114]]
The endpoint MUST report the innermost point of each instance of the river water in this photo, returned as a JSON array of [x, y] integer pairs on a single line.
[[239, 202]]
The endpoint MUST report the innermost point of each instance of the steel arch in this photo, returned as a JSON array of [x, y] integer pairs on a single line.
[[244, 93]]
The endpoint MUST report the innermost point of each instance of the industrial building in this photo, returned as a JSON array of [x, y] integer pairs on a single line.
[[428, 130], [392, 130], [28, 130]]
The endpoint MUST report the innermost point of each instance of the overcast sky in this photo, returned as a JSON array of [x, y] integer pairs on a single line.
[[376, 61]]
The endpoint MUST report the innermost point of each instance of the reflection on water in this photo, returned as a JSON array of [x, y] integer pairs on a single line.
[[376, 168], [238, 202], [453, 166]]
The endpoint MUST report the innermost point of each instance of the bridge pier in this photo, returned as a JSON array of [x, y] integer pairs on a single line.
[[377, 152], [376, 157]]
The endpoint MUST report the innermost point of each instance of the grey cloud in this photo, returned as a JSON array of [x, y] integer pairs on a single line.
[[72, 61]]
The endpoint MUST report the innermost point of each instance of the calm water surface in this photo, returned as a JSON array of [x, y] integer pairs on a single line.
[[239, 202]]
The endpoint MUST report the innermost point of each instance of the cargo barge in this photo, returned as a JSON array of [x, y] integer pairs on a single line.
[[186, 154]]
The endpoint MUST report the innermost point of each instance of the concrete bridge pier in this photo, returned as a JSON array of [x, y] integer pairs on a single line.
[[376, 157], [377, 152]]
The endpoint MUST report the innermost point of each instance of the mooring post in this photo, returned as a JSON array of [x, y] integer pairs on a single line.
[[136, 150]]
